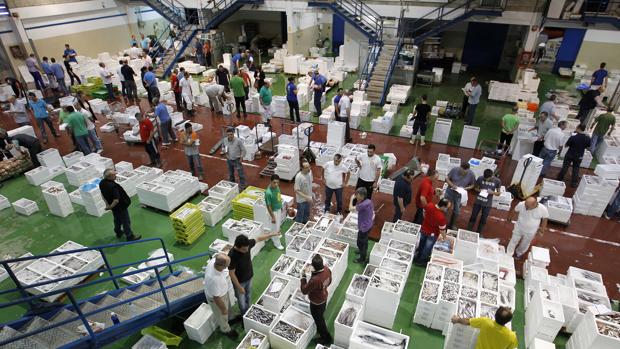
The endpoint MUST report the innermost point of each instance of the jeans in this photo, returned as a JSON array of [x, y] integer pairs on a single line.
[[519, 241], [425, 248], [244, 299], [178, 101], [151, 149], [41, 123], [576, 162], [398, 214], [293, 109], [38, 80], [154, 90], [583, 113], [471, 113], [596, 141], [92, 135], [82, 142], [122, 223], [328, 198], [232, 165], [317, 101], [455, 198], [318, 314], [132, 90], [195, 163], [62, 85], [363, 184], [419, 216], [33, 151], [484, 210], [303, 212], [240, 104], [167, 131], [504, 140], [362, 244], [110, 89], [123, 88], [547, 156]]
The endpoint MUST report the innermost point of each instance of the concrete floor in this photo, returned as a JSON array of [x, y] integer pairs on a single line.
[[587, 242]]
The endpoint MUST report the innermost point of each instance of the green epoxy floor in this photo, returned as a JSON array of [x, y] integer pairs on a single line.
[[43, 232]]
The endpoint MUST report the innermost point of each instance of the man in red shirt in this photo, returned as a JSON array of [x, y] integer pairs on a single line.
[[434, 224], [316, 289], [147, 135], [424, 195], [176, 88]]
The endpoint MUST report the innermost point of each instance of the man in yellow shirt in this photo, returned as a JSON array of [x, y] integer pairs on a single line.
[[493, 334]]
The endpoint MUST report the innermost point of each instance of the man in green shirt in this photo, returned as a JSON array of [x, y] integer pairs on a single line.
[[273, 201], [237, 85], [603, 124], [510, 124], [264, 98], [77, 125]]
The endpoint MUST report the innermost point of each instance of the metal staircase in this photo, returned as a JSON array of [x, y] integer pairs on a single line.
[[137, 306], [209, 17]]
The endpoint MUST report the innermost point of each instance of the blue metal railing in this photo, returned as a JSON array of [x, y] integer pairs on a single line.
[[370, 63], [393, 61], [178, 15], [75, 305], [364, 13]]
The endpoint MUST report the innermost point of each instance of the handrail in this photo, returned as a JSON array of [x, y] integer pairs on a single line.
[[365, 13], [175, 10], [391, 67], [82, 316]]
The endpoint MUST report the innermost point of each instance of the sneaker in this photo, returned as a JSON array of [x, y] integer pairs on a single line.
[[133, 237], [200, 177], [422, 144], [99, 151], [165, 143], [411, 141], [606, 216], [118, 236], [279, 246]]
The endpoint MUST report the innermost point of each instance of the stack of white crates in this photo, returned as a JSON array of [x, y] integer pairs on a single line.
[[80, 173], [478, 166], [444, 164], [360, 333], [593, 194], [287, 162], [398, 94], [129, 181], [213, 210], [335, 134], [168, 191], [58, 201], [4, 202], [50, 158], [608, 171], [503, 201], [226, 191], [560, 208], [600, 331], [92, 199], [383, 124], [532, 172], [552, 187], [39, 175], [123, 166], [72, 158]]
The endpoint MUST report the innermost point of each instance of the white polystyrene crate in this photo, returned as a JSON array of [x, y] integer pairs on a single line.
[[50, 158], [123, 166], [343, 331], [25, 207], [201, 324], [39, 175], [254, 340], [72, 158], [4, 202], [149, 342]]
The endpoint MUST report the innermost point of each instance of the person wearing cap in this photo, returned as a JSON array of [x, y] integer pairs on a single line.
[[31, 144], [235, 151], [191, 145]]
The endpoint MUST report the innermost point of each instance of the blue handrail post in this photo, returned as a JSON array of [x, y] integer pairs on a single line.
[[167, 258], [107, 265], [77, 309], [162, 288]]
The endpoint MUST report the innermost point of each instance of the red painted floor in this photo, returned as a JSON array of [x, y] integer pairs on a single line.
[[588, 242]]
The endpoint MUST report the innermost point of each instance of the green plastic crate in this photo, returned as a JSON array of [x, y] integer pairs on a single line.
[[169, 338]]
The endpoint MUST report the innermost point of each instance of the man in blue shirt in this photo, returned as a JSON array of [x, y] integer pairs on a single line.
[[45, 64], [318, 85], [236, 61], [59, 74], [41, 115], [144, 43], [599, 77], [69, 52], [291, 98], [165, 122], [336, 103], [150, 82]]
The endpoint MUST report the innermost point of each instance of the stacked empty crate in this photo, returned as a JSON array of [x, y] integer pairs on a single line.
[[187, 223]]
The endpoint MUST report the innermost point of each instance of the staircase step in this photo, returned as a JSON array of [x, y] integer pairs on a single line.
[[147, 304], [53, 338], [65, 314], [124, 311], [25, 343], [104, 317]]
